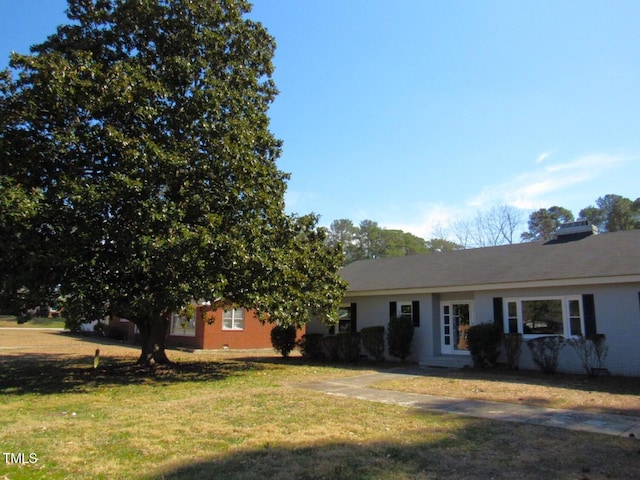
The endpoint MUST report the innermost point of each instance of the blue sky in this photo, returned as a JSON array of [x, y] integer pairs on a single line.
[[416, 113]]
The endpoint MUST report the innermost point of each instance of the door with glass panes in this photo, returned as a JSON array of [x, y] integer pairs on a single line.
[[456, 319]]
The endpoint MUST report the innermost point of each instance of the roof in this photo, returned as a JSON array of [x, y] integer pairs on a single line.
[[608, 258]]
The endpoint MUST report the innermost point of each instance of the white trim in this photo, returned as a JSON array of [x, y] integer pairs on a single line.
[[450, 349], [177, 331], [565, 308], [497, 286], [234, 319]]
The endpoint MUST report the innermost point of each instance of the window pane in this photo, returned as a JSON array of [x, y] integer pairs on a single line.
[[575, 319], [344, 319], [238, 318], [227, 322], [405, 311], [542, 317], [512, 308], [183, 326]]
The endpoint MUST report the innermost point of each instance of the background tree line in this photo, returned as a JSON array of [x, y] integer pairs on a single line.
[[500, 225]]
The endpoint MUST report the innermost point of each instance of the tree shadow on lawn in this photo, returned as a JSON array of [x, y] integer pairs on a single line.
[[58, 373], [469, 450]]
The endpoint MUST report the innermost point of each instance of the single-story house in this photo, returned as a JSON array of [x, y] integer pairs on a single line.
[[585, 283], [210, 328]]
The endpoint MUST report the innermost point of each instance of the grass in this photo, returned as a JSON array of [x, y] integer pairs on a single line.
[[221, 417], [603, 394], [36, 322]]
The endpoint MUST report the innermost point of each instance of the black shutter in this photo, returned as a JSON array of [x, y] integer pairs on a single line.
[[393, 310], [415, 312], [588, 304], [354, 321], [498, 313]]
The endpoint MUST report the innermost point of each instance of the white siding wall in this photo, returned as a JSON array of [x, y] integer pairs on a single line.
[[617, 316]]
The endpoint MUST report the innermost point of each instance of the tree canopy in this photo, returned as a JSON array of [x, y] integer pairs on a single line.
[[138, 172], [497, 226]]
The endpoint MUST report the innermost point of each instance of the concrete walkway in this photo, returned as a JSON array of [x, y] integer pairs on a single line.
[[360, 387]]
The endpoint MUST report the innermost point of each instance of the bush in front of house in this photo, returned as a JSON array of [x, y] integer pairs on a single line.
[[283, 339], [310, 346], [329, 348], [591, 351], [513, 347], [373, 341], [399, 337], [545, 352], [115, 332], [348, 346], [483, 341]]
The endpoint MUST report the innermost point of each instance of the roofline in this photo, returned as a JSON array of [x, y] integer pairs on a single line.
[[609, 280]]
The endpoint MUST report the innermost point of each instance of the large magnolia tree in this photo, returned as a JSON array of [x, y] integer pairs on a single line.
[[138, 172]]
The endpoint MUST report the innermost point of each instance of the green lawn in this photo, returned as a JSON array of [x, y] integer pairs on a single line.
[[36, 322], [225, 418]]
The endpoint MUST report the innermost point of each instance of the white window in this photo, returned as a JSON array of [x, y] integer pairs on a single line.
[[182, 326], [405, 310], [233, 319], [545, 316], [344, 319]]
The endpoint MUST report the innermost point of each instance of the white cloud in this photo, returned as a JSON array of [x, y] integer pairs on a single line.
[[542, 186], [543, 156], [430, 220]]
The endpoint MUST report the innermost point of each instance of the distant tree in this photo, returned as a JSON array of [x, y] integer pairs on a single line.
[[138, 166], [613, 213], [594, 215], [544, 223], [343, 233], [442, 245], [370, 241], [489, 228], [397, 243]]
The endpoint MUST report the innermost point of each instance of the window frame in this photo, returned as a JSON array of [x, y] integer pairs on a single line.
[[234, 319], [401, 314], [568, 320], [177, 330], [344, 322], [451, 347]]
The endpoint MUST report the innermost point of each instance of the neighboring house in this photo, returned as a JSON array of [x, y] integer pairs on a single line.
[[583, 282], [212, 328]]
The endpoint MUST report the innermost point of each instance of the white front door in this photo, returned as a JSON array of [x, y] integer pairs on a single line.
[[456, 319]]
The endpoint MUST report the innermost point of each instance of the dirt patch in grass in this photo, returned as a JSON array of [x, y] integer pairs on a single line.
[[604, 394]]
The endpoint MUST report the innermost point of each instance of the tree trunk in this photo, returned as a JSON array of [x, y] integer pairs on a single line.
[[153, 333]]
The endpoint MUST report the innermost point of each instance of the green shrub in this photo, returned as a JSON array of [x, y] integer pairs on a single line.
[[329, 348], [399, 337], [545, 352], [483, 341], [348, 346], [310, 346], [591, 351], [115, 332], [513, 348], [373, 341], [283, 339]]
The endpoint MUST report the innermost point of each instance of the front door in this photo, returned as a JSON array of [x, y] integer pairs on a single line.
[[456, 319]]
